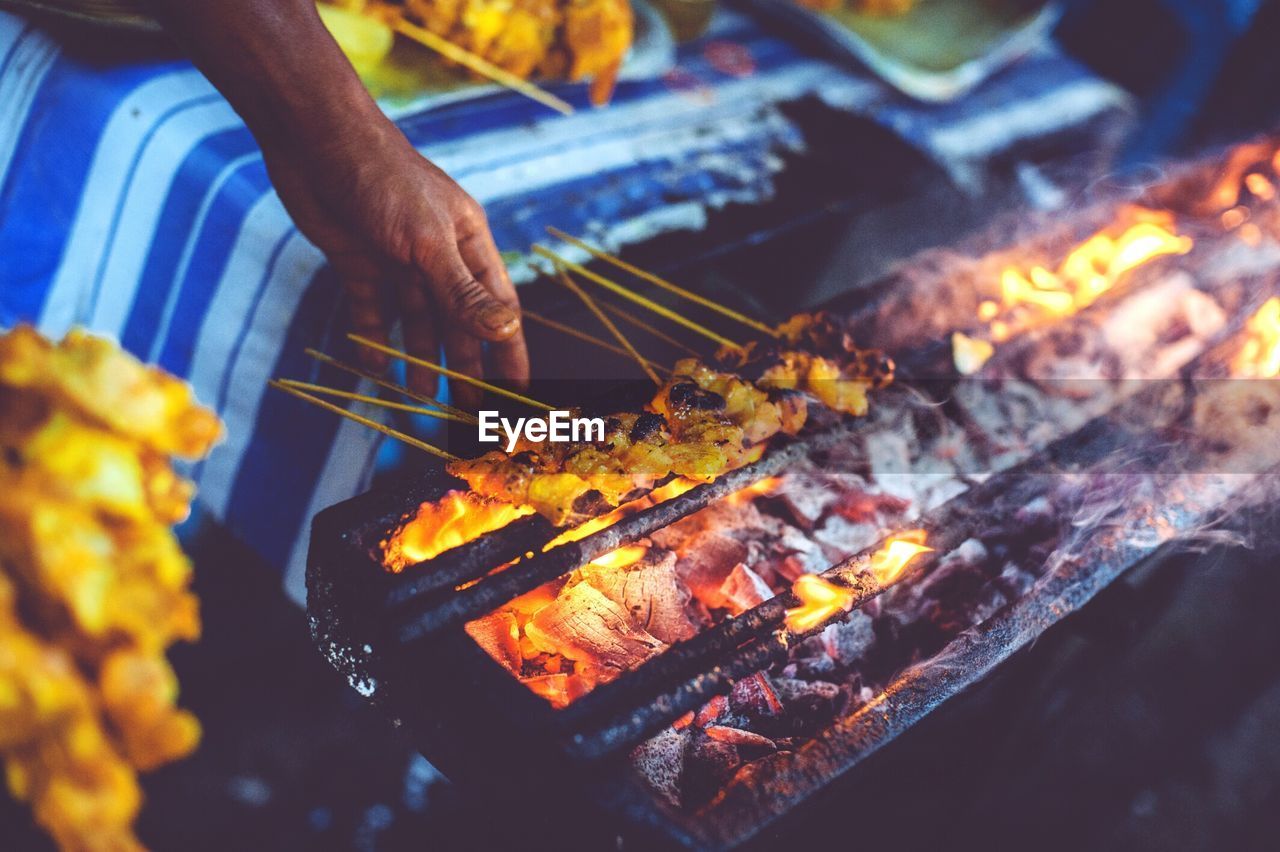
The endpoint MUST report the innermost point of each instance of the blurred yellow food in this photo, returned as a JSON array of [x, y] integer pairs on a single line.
[[93, 585], [548, 39], [365, 39]]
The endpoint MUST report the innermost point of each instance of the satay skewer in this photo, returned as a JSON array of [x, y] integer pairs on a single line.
[[649, 304], [365, 421], [370, 400], [483, 67], [608, 323], [670, 287], [586, 338], [445, 371], [462, 414], [631, 319]]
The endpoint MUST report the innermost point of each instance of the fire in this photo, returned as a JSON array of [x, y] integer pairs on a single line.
[[1259, 357], [1091, 269], [888, 563], [670, 491], [622, 557], [754, 490], [819, 601], [457, 518]]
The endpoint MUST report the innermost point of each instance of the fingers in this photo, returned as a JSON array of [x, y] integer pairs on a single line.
[[510, 357], [418, 323], [469, 303], [464, 353], [368, 318]]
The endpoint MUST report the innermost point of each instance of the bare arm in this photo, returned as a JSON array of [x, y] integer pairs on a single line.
[[397, 229]]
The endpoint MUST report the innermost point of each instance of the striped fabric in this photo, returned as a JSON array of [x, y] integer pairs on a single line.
[[133, 201]]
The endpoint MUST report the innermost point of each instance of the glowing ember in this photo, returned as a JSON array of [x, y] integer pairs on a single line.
[[1259, 357], [754, 490], [819, 601], [970, 353], [455, 519], [622, 557], [888, 563]]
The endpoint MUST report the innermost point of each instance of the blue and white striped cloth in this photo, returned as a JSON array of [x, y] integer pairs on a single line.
[[133, 201]]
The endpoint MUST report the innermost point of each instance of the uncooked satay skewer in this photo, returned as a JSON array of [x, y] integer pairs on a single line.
[[461, 414], [371, 400], [483, 67], [613, 286], [724, 310], [608, 323], [365, 421], [586, 338], [619, 313], [445, 371]]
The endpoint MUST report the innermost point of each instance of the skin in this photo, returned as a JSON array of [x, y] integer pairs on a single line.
[[402, 235]]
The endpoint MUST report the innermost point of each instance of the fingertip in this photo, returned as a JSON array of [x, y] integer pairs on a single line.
[[496, 322]]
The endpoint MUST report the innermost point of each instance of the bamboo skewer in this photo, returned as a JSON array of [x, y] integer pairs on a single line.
[[445, 371], [724, 310], [461, 414], [613, 286], [619, 313], [608, 323], [370, 400], [483, 67], [364, 421], [587, 338]]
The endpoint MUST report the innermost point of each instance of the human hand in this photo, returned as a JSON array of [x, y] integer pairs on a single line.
[[400, 232]]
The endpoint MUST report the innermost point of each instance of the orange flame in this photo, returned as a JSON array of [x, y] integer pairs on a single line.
[[754, 490], [1259, 357], [622, 557], [819, 601], [888, 562], [1091, 269], [455, 519]]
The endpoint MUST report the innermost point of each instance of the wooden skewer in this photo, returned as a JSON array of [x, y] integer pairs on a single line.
[[461, 414], [365, 421], [445, 371], [587, 338], [610, 307], [371, 400], [483, 67], [613, 286], [608, 323], [724, 310]]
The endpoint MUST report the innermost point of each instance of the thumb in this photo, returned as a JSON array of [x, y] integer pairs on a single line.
[[468, 302]]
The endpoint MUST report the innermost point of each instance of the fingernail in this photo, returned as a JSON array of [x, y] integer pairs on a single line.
[[498, 319]]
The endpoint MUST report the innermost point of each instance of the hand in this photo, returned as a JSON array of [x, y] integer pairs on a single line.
[[399, 231]]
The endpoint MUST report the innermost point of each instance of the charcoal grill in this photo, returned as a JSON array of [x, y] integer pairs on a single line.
[[399, 638]]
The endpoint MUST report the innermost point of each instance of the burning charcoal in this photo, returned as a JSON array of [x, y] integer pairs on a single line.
[[806, 497], [711, 711], [753, 697], [560, 690], [745, 740], [847, 640], [660, 761], [705, 563], [583, 624], [792, 542], [743, 589], [650, 591], [708, 765], [957, 574], [808, 701], [862, 505], [843, 537], [499, 635], [1038, 513]]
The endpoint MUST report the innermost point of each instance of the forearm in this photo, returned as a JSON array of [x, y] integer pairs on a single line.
[[276, 64]]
